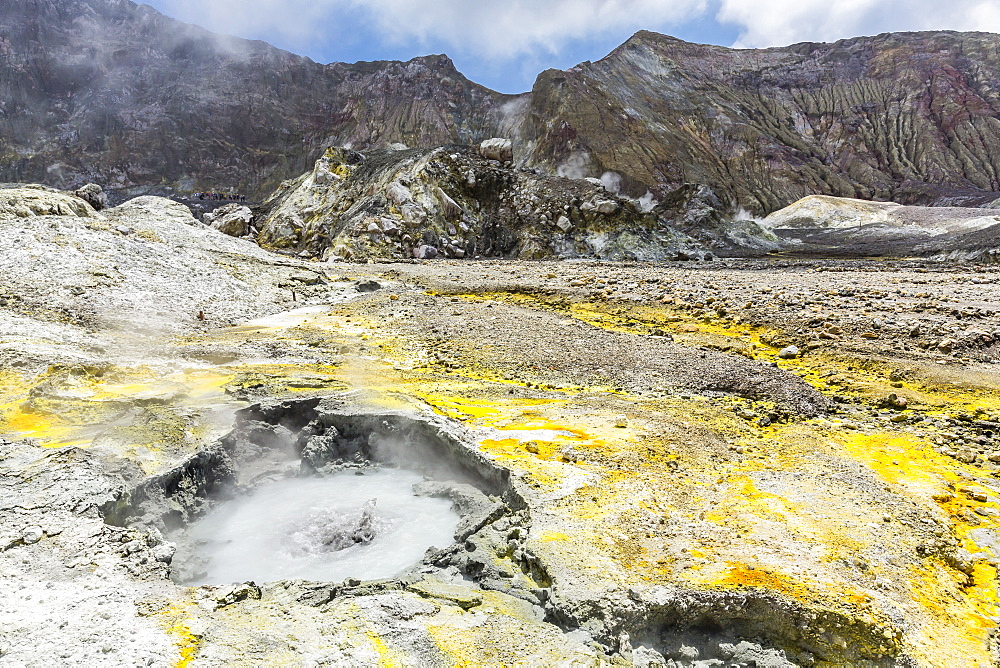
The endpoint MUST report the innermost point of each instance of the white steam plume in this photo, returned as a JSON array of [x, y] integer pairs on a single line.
[[612, 182], [577, 166]]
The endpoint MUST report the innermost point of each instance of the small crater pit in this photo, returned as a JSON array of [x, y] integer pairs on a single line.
[[304, 491]]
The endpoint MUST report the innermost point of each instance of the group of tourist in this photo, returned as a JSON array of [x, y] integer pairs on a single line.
[[221, 197]]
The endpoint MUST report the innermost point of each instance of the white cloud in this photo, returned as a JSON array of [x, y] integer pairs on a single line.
[[505, 31], [502, 29], [507, 28], [296, 20], [986, 15], [781, 22]]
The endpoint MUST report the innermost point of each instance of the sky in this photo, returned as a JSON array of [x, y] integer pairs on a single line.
[[504, 44]]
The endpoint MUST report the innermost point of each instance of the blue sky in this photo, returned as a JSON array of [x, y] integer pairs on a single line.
[[504, 44]]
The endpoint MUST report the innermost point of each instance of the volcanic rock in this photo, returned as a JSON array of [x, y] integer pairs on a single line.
[[143, 99], [789, 353], [497, 149], [453, 202], [231, 219], [27, 201], [93, 194]]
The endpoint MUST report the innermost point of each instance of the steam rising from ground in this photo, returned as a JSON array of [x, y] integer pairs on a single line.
[[646, 202], [329, 530], [744, 214], [577, 166], [344, 525], [513, 114], [612, 182]]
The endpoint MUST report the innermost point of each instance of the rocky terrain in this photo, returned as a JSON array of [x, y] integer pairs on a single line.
[[744, 462], [841, 227], [457, 202], [114, 93]]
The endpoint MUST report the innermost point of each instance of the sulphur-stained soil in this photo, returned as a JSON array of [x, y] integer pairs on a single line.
[[750, 463]]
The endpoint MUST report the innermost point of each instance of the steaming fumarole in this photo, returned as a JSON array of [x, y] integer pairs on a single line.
[[343, 525]]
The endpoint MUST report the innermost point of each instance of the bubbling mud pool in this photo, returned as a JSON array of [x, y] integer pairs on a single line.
[[342, 525]]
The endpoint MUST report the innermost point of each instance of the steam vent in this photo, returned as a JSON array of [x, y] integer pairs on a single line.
[[688, 358]]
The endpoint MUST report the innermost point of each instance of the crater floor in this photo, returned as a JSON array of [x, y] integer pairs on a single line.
[[783, 462]]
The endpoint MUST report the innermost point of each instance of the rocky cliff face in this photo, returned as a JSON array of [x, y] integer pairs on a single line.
[[908, 117], [114, 92]]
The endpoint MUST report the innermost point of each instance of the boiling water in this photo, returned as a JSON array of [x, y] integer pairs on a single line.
[[344, 525]]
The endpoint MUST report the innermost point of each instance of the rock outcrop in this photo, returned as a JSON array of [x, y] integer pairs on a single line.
[[498, 149], [232, 219], [94, 195], [454, 202], [34, 200], [146, 266]]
